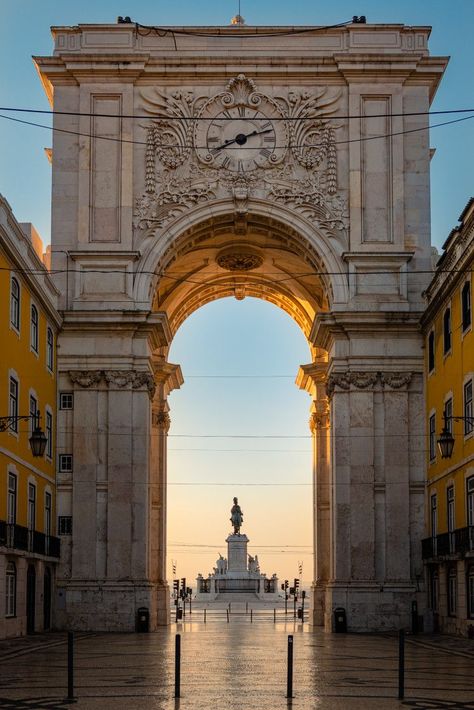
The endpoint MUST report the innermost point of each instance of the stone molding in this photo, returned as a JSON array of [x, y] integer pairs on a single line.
[[118, 378], [357, 380]]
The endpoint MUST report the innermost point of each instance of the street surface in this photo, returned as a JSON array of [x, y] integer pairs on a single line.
[[237, 665]]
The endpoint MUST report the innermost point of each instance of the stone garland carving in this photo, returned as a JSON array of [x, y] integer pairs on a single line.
[[182, 171], [118, 378], [367, 380], [85, 378]]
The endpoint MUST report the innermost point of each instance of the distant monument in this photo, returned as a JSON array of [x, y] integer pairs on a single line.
[[239, 574]]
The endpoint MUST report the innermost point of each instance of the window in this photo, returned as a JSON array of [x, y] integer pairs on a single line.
[[13, 404], [431, 351], [11, 499], [452, 591], [34, 328], [65, 463], [50, 349], [434, 515], [434, 596], [432, 437], [33, 412], [49, 435], [66, 400], [64, 525], [15, 303], [448, 413], [468, 411], [466, 305], [447, 330], [470, 592], [47, 520], [10, 590], [470, 500], [31, 514], [450, 517]]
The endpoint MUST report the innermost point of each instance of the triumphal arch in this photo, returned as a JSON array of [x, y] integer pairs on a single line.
[[191, 164]]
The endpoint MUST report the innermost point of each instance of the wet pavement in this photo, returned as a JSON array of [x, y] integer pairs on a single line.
[[238, 665]]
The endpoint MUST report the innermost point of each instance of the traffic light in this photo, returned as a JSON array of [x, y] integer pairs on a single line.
[[297, 584], [286, 584], [182, 592], [176, 587]]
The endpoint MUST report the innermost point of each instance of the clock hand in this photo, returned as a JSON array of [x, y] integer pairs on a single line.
[[240, 139]]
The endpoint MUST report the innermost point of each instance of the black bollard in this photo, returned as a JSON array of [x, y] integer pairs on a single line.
[[227, 616], [289, 677], [70, 665], [401, 664], [251, 616], [177, 666], [204, 616], [274, 616]]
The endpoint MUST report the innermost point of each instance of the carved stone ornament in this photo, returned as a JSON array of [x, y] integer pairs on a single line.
[[161, 420], [395, 380], [241, 144], [119, 378], [85, 378], [366, 380], [239, 257], [126, 378], [144, 379]]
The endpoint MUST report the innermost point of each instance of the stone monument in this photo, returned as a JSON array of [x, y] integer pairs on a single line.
[[238, 576]]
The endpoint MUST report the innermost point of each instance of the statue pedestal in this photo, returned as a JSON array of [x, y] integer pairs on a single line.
[[237, 555]]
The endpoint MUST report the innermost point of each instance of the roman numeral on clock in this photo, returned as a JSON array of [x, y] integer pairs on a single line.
[[242, 111], [265, 152]]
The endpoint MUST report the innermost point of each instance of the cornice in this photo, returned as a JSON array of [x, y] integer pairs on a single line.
[[344, 323]]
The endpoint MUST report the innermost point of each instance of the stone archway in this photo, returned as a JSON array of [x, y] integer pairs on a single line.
[[154, 221]]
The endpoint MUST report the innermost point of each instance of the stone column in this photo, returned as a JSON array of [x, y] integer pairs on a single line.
[[312, 378], [167, 378]]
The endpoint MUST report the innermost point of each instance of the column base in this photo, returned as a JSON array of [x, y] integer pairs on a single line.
[[369, 607], [109, 606]]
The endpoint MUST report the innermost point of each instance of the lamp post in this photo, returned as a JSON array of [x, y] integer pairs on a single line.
[[38, 438], [446, 439]]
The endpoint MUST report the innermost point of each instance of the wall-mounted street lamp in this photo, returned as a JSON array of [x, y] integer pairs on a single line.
[[446, 438], [38, 439]]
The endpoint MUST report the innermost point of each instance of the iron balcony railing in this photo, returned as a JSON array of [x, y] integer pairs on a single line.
[[18, 537], [457, 542]]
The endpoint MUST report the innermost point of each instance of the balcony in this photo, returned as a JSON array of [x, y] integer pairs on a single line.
[[458, 543], [17, 537]]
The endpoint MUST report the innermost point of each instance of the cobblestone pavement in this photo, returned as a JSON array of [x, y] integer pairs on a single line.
[[238, 665]]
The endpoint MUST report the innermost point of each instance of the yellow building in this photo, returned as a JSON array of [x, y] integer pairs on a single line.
[[448, 549], [29, 323]]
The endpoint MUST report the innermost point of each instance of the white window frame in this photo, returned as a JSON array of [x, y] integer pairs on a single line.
[[48, 430], [15, 322], [13, 411], [49, 349], [432, 437], [64, 395], [468, 406], [452, 590], [470, 500], [12, 496], [32, 411], [34, 329], [65, 463]]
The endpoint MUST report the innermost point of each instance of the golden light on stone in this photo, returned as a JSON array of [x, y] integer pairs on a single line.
[[237, 20], [239, 257]]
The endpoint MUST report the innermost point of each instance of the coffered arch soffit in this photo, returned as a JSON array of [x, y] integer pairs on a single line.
[[268, 253]]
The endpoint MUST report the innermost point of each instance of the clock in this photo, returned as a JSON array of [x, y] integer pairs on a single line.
[[241, 137]]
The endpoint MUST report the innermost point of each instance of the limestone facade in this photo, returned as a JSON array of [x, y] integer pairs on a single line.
[[289, 166]]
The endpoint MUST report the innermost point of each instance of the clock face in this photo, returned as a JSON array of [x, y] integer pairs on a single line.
[[240, 139]]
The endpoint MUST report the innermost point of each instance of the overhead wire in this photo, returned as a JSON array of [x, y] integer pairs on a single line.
[[283, 147]]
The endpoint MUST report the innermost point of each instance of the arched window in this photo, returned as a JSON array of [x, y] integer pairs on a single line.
[[15, 303], [50, 349], [34, 328], [10, 590]]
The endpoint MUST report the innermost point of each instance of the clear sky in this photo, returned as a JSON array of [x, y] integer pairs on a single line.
[[230, 337]]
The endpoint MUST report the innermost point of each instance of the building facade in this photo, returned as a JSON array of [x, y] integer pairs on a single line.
[[448, 549], [202, 163], [29, 548]]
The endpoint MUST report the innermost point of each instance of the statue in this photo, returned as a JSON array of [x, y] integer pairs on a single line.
[[236, 517], [253, 564]]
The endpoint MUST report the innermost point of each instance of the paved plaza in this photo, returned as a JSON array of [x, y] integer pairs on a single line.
[[238, 664]]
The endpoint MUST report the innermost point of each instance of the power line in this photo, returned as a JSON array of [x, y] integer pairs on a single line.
[[197, 119], [231, 32], [184, 145]]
